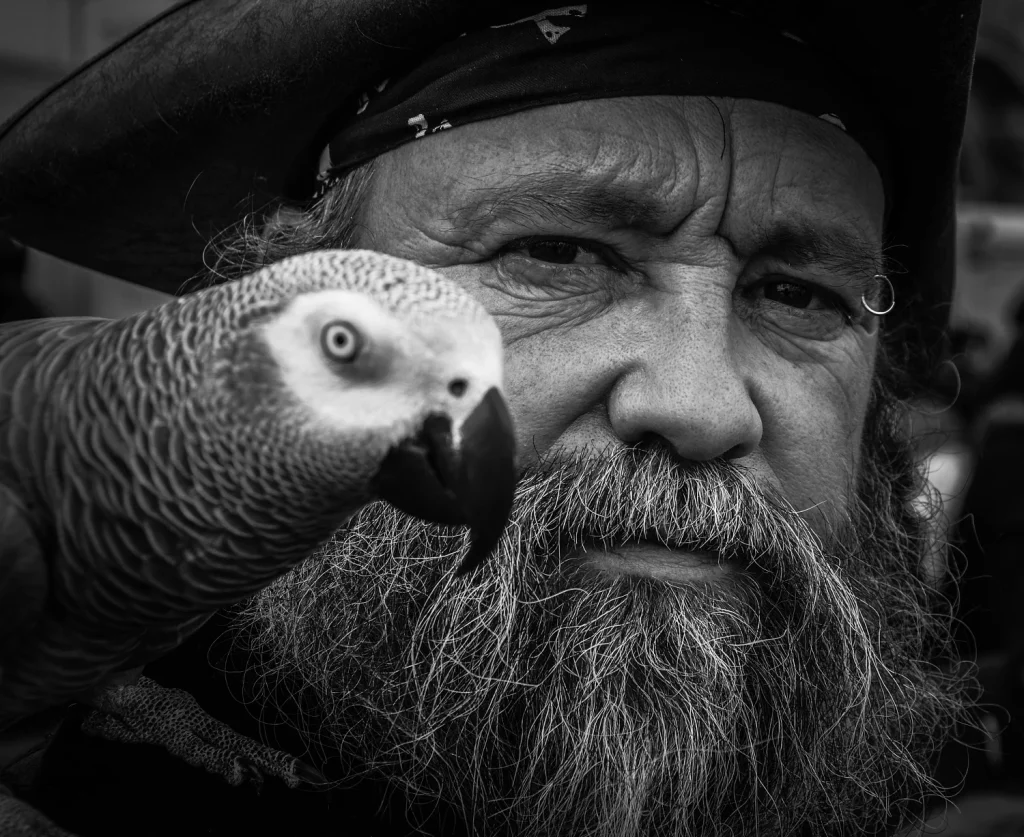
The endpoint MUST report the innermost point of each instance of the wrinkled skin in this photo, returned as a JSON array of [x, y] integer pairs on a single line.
[[684, 346], [690, 367]]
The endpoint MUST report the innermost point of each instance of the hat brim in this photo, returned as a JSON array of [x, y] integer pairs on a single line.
[[219, 108]]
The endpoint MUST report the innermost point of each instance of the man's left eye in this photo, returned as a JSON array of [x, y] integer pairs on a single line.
[[789, 293], [802, 308], [803, 296]]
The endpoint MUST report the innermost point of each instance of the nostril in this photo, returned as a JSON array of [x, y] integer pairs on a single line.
[[458, 387], [738, 451]]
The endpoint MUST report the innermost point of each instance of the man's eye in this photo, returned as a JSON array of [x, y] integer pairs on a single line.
[[559, 251], [550, 268], [552, 250], [558, 265], [789, 293], [800, 295], [804, 309]]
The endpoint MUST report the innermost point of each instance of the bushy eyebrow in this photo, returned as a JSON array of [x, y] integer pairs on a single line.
[[546, 196], [801, 244]]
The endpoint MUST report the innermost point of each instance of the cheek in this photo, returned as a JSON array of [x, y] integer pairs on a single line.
[[553, 380], [560, 361], [813, 423]]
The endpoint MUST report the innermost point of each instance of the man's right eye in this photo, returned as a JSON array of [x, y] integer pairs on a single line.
[[552, 250], [558, 251], [560, 267]]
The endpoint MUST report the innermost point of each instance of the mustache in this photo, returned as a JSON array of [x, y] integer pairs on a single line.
[[645, 493]]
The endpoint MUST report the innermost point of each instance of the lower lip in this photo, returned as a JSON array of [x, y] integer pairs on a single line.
[[655, 561]]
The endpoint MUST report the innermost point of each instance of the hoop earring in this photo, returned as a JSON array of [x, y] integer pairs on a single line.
[[892, 298]]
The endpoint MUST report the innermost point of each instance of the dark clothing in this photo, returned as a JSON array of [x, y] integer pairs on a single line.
[[98, 788]]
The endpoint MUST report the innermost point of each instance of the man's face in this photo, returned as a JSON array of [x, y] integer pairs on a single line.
[[690, 306], [705, 616]]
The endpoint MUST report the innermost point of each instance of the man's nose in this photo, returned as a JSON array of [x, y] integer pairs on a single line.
[[689, 387]]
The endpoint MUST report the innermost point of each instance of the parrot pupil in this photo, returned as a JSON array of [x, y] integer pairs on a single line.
[[340, 341]]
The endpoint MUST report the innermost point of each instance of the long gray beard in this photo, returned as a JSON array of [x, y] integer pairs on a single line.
[[798, 695]]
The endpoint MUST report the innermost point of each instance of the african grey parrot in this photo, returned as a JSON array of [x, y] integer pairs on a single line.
[[157, 468]]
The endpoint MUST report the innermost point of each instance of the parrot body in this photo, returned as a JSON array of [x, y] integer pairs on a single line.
[[158, 468]]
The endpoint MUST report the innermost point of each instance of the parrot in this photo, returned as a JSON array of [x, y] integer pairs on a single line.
[[157, 468]]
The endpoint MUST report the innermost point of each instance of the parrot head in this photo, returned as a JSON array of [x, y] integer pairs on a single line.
[[400, 370]]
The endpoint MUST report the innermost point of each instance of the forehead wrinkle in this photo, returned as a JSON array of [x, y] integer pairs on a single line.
[[559, 197]]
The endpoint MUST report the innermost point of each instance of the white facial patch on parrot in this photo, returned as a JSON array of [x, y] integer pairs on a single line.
[[372, 391], [469, 353], [405, 368]]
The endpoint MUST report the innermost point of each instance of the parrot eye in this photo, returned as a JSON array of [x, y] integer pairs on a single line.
[[341, 341]]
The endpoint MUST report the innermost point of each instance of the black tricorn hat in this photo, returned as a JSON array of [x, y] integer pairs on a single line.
[[218, 108]]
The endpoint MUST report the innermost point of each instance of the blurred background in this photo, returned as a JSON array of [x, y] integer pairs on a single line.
[[970, 431]]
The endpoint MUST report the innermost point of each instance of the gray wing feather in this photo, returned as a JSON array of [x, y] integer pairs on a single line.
[[31, 354]]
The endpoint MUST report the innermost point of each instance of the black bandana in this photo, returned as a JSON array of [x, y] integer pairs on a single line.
[[599, 51]]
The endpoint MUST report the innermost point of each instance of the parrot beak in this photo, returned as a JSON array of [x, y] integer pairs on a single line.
[[473, 485]]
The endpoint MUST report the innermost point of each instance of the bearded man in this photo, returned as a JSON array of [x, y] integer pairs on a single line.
[[715, 238]]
